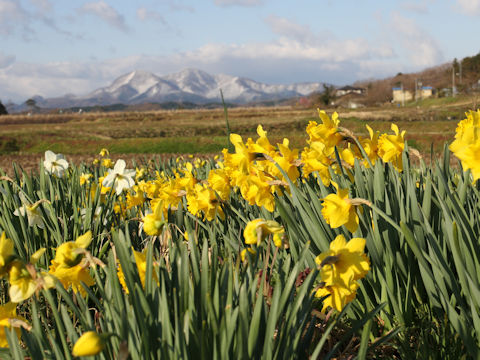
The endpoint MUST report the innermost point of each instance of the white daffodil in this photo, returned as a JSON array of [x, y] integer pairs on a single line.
[[32, 211], [120, 178], [55, 164]]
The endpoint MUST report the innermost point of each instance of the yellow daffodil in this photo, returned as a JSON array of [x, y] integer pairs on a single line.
[[108, 163], [85, 178], [154, 224], [390, 147], [141, 262], [203, 200], [72, 252], [338, 210], [8, 313], [466, 145], [70, 266], [370, 145], [89, 344], [22, 284], [315, 160], [220, 183], [6, 253], [104, 152], [340, 268], [243, 253], [326, 132], [337, 295], [257, 230]]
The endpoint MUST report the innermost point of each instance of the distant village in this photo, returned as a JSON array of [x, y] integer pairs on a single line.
[[352, 97]]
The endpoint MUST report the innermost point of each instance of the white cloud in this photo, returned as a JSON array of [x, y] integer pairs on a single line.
[[238, 2], [13, 18], [43, 5], [6, 60], [470, 7], [145, 14], [419, 6], [284, 27], [105, 12], [423, 50]]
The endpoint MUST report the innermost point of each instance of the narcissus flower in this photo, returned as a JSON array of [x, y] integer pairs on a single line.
[[89, 344], [141, 262], [8, 315], [466, 145], [390, 147], [338, 210], [69, 265], [55, 164], [119, 178], [154, 224], [340, 268], [32, 211], [104, 152], [85, 178], [6, 252], [257, 230], [108, 163]]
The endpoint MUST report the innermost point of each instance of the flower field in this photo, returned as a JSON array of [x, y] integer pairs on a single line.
[[347, 247]]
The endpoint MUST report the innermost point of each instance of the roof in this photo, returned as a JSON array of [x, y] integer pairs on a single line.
[[348, 87]]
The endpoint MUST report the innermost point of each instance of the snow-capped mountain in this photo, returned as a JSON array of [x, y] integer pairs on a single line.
[[190, 85]]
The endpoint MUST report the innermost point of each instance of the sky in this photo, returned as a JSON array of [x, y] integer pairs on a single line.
[[52, 48]]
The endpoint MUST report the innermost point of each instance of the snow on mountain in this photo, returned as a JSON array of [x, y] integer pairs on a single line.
[[190, 85]]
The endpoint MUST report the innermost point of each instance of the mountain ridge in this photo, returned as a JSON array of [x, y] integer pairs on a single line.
[[188, 85]]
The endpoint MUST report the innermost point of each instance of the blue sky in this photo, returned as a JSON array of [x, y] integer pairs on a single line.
[[51, 48]]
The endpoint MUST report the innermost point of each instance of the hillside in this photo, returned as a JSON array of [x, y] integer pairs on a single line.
[[467, 75]]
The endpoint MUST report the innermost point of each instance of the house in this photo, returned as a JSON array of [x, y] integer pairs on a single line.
[[424, 92], [401, 95], [349, 101], [349, 90]]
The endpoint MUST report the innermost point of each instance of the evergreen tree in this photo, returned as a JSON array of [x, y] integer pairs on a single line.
[[3, 109]]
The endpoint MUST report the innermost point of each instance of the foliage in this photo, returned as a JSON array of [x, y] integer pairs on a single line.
[[244, 256]]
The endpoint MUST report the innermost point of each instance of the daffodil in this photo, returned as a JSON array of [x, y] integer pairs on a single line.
[[154, 224], [120, 178], [24, 280], [104, 152], [203, 199], [390, 147], [108, 163], [6, 253], [69, 265], [370, 145], [22, 283], [326, 132], [8, 315], [340, 268], [55, 164], [89, 344], [338, 210], [31, 211], [85, 178], [257, 230], [141, 262], [466, 145]]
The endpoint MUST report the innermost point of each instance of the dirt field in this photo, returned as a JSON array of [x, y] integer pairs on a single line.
[[134, 135]]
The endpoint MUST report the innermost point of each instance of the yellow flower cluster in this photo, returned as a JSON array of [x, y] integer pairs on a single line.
[[466, 145], [256, 169], [70, 267]]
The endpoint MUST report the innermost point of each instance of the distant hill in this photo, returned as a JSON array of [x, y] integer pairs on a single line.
[[467, 75], [190, 86]]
